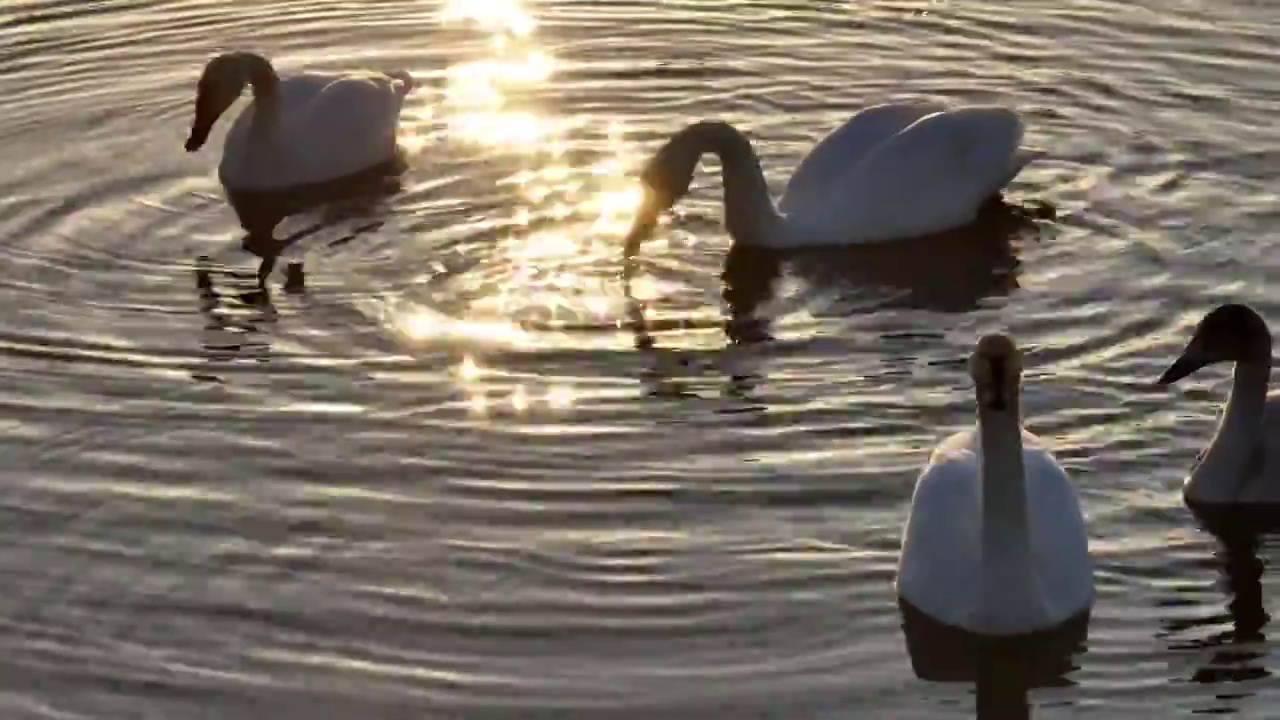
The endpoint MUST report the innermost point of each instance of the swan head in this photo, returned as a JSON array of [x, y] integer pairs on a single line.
[[666, 177], [996, 369], [223, 79], [1229, 333]]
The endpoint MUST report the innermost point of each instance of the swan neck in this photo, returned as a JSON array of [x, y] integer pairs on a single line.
[[1246, 405], [265, 83], [750, 215], [262, 78], [1006, 536]]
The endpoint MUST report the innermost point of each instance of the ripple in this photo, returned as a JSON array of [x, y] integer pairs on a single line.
[[445, 477]]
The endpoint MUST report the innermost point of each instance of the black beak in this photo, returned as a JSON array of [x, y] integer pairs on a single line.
[[641, 228], [199, 134], [1190, 361]]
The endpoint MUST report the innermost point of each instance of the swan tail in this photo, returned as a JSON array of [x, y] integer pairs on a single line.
[[407, 81], [1022, 157]]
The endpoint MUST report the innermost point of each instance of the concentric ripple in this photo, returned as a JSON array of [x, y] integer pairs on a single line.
[[445, 483]]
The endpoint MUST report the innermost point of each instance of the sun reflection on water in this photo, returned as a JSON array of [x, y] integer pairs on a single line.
[[549, 273], [522, 398], [479, 94], [492, 15], [422, 326], [468, 369]]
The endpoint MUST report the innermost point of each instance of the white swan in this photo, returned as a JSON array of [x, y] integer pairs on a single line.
[[1241, 465], [299, 130], [890, 172], [995, 543]]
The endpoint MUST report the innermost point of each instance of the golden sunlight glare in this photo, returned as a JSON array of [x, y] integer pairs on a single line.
[[560, 397], [616, 210], [519, 129], [492, 15], [519, 399], [468, 369], [426, 326]]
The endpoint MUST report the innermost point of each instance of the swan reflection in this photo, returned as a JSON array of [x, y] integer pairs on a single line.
[[1235, 655], [949, 272], [1003, 672], [236, 325], [350, 197]]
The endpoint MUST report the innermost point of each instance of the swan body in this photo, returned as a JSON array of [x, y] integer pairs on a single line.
[[1240, 467], [995, 543], [299, 130], [891, 172]]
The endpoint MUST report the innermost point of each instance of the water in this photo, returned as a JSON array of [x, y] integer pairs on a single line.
[[445, 484]]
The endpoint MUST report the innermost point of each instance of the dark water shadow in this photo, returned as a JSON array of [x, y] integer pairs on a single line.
[[237, 325], [1003, 671], [949, 272], [355, 195], [1238, 654]]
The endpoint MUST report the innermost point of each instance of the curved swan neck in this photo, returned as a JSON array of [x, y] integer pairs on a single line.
[[750, 215], [260, 76]]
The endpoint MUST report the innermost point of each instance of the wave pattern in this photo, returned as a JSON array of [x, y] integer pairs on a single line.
[[445, 482]]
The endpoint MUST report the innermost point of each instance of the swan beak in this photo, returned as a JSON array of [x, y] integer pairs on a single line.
[[646, 220], [1190, 361], [631, 249], [199, 134]]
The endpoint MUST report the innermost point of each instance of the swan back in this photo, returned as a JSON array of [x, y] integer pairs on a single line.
[[328, 126], [845, 147], [942, 551], [931, 176]]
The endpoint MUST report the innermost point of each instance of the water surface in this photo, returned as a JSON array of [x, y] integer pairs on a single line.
[[444, 482]]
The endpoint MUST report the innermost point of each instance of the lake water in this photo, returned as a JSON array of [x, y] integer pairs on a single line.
[[444, 483]]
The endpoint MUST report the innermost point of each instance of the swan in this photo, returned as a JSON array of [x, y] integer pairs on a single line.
[[300, 130], [892, 171], [995, 543], [1241, 465]]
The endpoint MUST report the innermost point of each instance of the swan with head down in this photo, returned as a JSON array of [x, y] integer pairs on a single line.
[[890, 172]]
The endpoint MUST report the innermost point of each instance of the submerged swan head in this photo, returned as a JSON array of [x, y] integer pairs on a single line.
[[1229, 333], [223, 79], [996, 369]]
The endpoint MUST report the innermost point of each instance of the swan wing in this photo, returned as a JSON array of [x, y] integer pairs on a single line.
[[932, 176], [330, 126], [845, 147], [941, 545]]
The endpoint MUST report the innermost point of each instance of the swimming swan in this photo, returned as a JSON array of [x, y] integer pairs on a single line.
[[995, 543], [299, 130], [1241, 466], [890, 172]]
